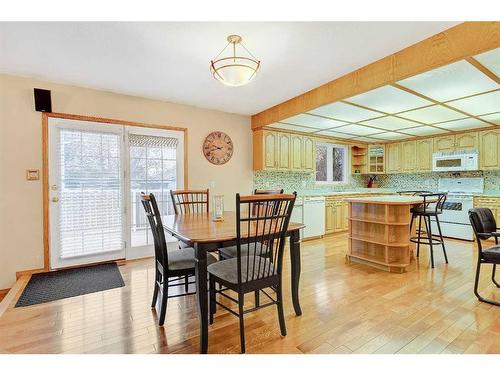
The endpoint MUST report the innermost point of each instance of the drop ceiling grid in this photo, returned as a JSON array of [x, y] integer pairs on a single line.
[[443, 106]]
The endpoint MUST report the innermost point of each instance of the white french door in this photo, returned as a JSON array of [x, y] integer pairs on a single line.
[[96, 173]]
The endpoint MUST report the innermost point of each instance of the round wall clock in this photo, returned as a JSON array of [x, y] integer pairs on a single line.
[[218, 148]]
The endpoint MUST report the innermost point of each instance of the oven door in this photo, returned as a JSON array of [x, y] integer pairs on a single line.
[[456, 211]]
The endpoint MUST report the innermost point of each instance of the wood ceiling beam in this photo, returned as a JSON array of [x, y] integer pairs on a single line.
[[457, 43]]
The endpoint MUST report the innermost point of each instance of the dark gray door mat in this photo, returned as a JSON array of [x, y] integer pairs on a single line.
[[51, 286]]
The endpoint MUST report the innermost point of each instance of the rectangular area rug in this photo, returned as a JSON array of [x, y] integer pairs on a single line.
[[52, 286]]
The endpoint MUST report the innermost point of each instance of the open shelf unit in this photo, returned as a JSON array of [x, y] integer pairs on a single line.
[[358, 159], [380, 234]]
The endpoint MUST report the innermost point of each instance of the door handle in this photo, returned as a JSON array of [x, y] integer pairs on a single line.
[[55, 199]]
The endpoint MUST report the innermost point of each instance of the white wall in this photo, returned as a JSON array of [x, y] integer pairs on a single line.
[[21, 231]]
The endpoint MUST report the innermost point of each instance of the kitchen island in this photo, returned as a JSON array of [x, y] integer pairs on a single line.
[[379, 231]]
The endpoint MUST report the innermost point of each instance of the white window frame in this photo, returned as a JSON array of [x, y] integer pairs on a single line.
[[329, 162]]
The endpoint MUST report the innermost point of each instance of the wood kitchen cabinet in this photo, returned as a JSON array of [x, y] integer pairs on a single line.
[[393, 158], [409, 162], [376, 159], [336, 215], [283, 151], [297, 152], [284, 159], [489, 149], [424, 155], [309, 154], [445, 143], [458, 142]]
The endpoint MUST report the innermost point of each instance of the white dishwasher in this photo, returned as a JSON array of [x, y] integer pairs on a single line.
[[313, 214], [298, 214]]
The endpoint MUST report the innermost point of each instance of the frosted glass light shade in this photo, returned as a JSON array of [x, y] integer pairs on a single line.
[[234, 71]]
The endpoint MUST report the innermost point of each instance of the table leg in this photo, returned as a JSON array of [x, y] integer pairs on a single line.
[[295, 261], [200, 256]]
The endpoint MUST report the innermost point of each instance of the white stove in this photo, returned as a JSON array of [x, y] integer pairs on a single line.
[[455, 218]]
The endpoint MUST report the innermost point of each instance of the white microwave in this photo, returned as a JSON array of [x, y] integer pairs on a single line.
[[455, 161]]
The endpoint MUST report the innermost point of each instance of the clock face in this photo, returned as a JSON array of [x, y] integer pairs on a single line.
[[218, 148]]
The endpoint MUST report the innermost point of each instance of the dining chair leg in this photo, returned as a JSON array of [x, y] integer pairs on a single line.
[[212, 295], [442, 239], [281, 313], [493, 272], [411, 221], [186, 283], [156, 288], [427, 221], [164, 300], [257, 298], [476, 286], [241, 302]]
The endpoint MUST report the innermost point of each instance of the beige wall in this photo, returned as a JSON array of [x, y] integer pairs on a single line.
[[21, 148]]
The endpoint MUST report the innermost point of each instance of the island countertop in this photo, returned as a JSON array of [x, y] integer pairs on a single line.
[[389, 199]]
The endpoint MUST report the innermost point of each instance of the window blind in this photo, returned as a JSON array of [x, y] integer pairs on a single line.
[[90, 199]]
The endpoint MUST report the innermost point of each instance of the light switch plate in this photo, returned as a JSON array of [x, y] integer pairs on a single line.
[[32, 174]]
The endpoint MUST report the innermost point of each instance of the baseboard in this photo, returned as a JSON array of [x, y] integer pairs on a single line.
[[20, 274], [14, 293], [3, 293]]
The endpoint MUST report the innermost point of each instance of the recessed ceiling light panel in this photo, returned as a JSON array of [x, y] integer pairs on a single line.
[[391, 123], [465, 124], [345, 112], [480, 104], [431, 115], [313, 121], [450, 82], [389, 99], [490, 60]]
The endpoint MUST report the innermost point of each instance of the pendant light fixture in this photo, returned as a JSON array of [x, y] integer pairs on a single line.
[[235, 70]]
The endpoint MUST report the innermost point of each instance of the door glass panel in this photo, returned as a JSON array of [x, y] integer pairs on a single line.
[[90, 204], [153, 169], [449, 162]]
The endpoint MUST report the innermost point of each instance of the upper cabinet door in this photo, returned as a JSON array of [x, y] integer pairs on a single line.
[[270, 150], [297, 143], [309, 154], [444, 144], [424, 155], [466, 141], [393, 155], [489, 149], [284, 151], [409, 156]]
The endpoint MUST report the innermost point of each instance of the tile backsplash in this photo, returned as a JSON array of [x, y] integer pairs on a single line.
[[301, 181], [430, 180]]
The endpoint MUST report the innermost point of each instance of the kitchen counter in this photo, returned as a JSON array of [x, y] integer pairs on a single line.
[[379, 231]]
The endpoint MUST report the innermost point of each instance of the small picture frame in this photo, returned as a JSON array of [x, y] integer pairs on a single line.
[[32, 174]]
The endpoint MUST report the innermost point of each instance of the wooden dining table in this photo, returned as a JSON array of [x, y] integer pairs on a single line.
[[204, 235]]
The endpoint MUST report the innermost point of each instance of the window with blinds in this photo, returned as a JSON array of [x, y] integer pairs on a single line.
[[153, 169], [90, 203]]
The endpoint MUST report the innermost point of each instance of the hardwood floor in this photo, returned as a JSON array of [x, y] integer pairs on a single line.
[[347, 309]]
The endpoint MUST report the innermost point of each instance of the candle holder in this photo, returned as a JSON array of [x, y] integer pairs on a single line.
[[217, 208]]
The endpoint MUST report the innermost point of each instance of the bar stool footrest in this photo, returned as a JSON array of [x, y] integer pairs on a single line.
[[425, 241]]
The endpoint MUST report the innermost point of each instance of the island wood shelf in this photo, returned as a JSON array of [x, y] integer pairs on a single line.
[[379, 231]]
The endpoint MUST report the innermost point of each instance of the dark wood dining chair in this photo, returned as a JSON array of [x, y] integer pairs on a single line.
[[256, 234], [484, 225], [230, 251], [171, 266], [190, 201]]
